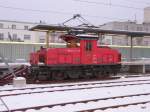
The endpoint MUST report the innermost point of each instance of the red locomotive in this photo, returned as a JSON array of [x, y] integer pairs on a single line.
[[82, 58]]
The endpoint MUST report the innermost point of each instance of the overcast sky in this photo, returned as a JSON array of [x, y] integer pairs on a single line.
[[57, 11]]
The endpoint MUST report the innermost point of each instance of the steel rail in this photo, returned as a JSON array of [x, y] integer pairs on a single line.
[[82, 88], [70, 85], [86, 101], [115, 106]]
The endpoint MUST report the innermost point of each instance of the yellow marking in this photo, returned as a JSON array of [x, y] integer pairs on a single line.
[[63, 44]]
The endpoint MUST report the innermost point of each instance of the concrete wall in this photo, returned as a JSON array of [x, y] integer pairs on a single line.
[[18, 50], [13, 51]]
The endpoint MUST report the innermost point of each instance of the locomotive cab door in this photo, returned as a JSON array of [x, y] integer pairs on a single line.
[[86, 51]]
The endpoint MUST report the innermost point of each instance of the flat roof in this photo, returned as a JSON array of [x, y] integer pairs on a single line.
[[15, 21], [88, 30]]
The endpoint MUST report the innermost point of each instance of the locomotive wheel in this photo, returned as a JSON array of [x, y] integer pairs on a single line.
[[87, 75], [73, 75], [105, 74], [31, 78], [114, 73], [83, 75], [58, 76], [98, 74]]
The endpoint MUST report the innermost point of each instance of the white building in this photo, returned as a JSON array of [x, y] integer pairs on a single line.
[[17, 31]]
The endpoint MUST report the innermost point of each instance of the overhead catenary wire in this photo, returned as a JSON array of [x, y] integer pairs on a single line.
[[58, 12], [109, 4], [69, 13], [34, 10], [137, 2]]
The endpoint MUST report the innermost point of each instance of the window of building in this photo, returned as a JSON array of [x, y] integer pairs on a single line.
[[26, 27], [146, 43], [27, 37], [108, 41], [42, 40], [1, 25], [13, 26], [126, 27], [14, 36], [119, 42], [139, 28], [1, 36], [132, 28], [146, 29]]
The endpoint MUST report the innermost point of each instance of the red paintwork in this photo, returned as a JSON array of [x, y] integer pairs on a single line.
[[76, 56]]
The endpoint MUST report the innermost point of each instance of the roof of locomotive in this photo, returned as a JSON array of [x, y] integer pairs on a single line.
[[77, 38]]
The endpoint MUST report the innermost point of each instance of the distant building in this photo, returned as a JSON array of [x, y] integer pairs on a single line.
[[147, 15], [18, 31], [127, 26]]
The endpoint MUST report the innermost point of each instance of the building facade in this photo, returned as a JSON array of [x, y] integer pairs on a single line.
[[129, 26], [147, 15], [18, 31]]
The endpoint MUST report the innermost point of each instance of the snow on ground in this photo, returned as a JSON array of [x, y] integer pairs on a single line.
[[132, 108], [49, 98], [48, 88], [46, 98], [7, 87]]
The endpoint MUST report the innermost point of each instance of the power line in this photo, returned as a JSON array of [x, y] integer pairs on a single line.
[[135, 1], [108, 4], [33, 10], [96, 16], [58, 12]]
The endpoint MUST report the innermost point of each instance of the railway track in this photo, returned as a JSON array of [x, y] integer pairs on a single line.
[[99, 96], [69, 87], [11, 88], [93, 104], [145, 104]]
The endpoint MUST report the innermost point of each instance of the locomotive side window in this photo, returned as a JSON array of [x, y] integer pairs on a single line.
[[88, 46]]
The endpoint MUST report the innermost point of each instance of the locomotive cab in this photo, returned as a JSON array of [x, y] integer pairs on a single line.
[[88, 46]]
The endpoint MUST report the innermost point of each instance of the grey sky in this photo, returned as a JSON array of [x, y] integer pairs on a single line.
[[57, 11]]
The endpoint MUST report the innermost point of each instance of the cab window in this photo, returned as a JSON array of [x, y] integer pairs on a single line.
[[88, 46]]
